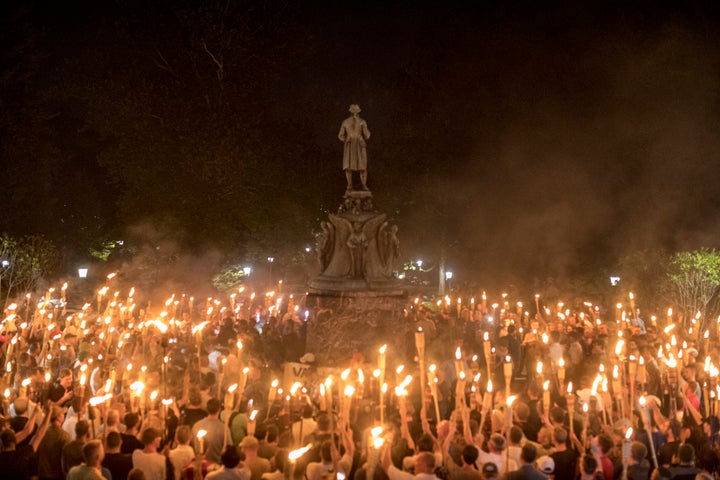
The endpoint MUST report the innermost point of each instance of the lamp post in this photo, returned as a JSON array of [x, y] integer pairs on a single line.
[[448, 277], [271, 261]]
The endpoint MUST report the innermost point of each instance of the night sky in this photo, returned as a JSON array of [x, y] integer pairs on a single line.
[[532, 140]]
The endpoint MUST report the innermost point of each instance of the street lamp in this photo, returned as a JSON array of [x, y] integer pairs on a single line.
[[82, 272], [271, 260], [448, 277], [5, 263], [247, 271], [419, 263]]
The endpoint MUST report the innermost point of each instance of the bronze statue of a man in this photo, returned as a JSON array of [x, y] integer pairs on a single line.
[[353, 133]]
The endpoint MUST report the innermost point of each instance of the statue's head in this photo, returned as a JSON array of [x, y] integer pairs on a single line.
[[354, 108]]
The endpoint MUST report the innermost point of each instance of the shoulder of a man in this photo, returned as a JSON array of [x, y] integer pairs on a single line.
[[179, 451], [408, 463], [681, 470], [73, 473], [23, 451], [313, 470], [483, 456], [239, 419], [64, 436], [82, 472], [396, 474], [140, 456]]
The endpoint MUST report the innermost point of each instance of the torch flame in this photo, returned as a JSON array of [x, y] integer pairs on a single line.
[[295, 454]]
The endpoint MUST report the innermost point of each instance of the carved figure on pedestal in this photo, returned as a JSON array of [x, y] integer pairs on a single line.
[[325, 244], [354, 133], [357, 243], [389, 248]]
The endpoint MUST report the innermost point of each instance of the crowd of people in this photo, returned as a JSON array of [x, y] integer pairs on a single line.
[[111, 392]]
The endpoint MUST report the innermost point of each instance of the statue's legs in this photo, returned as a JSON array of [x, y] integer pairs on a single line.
[[348, 176], [363, 179]]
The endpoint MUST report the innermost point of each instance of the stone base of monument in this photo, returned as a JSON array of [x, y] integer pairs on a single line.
[[348, 322], [374, 287], [357, 301]]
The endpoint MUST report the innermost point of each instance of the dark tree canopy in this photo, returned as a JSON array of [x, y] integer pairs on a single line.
[[536, 140]]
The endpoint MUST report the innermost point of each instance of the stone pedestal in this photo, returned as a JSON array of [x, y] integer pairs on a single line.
[[344, 323], [357, 301]]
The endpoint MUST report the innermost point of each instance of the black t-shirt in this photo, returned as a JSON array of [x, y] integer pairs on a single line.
[[56, 392], [130, 443], [534, 423], [667, 451], [17, 464], [565, 464], [192, 415], [639, 471], [684, 472], [18, 424], [72, 455], [119, 464]]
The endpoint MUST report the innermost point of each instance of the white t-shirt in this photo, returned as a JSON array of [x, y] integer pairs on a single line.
[[229, 474], [152, 464], [180, 457], [497, 459], [408, 463], [318, 470]]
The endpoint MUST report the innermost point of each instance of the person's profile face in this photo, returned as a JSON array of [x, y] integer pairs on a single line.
[[66, 381]]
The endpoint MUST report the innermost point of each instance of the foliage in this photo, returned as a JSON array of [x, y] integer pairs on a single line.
[[28, 260], [230, 278], [694, 282], [103, 251]]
